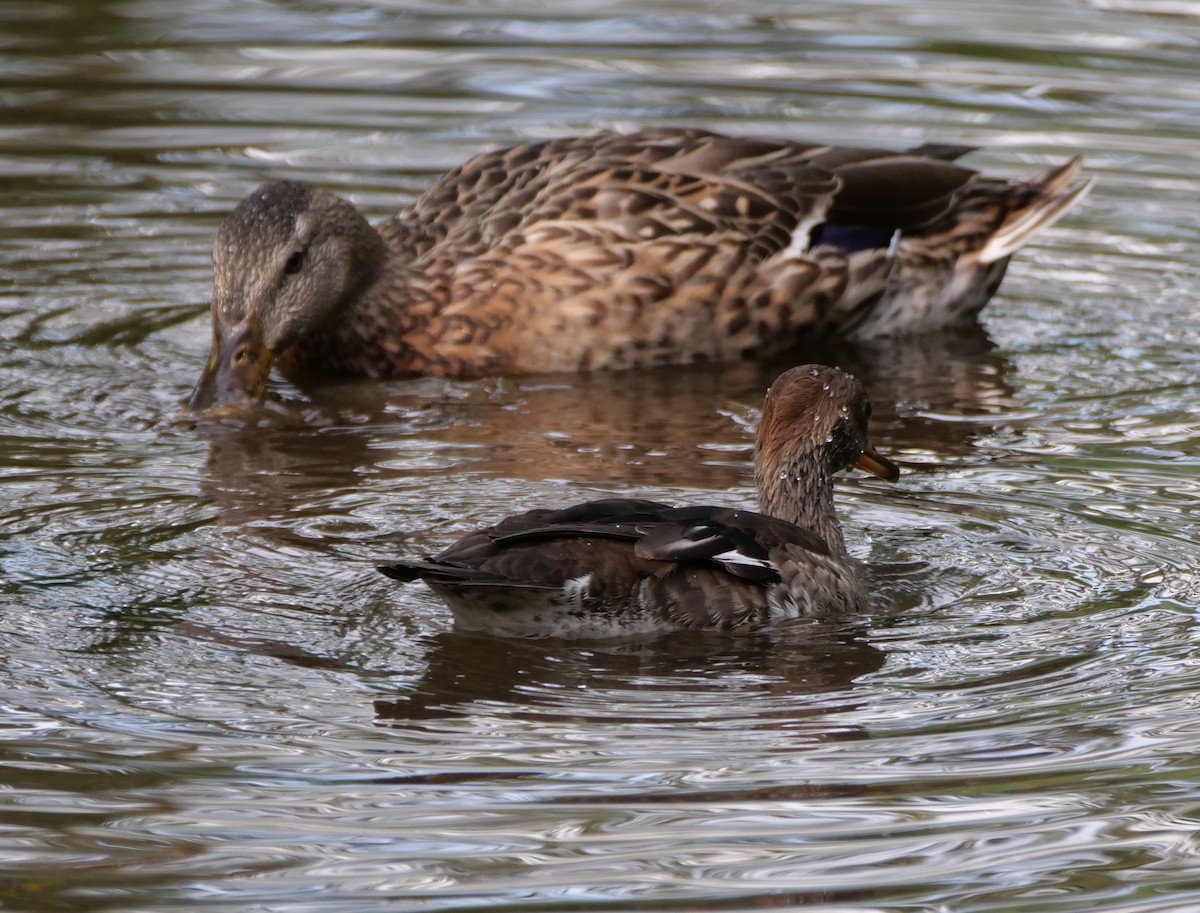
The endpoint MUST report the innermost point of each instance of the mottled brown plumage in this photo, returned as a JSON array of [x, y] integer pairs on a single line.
[[626, 566], [663, 246]]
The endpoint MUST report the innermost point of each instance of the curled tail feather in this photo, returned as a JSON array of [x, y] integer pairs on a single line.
[[1055, 195]]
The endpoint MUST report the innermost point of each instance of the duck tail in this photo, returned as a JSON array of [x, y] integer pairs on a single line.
[[436, 572], [1050, 196], [432, 571], [405, 573]]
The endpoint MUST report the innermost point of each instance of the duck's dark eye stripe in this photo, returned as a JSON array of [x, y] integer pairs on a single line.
[[294, 263]]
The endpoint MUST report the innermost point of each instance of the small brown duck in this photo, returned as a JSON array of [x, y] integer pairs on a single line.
[[624, 566], [617, 251]]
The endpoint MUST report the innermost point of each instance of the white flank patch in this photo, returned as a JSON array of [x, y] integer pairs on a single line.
[[780, 604], [575, 590]]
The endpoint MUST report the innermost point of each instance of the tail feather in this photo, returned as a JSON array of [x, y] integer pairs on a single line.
[[408, 571], [433, 572], [943, 273], [1055, 196]]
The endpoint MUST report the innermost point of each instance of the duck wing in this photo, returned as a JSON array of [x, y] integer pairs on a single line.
[[617, 539], [520, 550], [643, 185]]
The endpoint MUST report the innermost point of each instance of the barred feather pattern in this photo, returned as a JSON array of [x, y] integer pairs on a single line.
[[620, 251]]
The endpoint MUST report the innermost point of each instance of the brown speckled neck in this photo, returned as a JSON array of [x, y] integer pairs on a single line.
[[813, 425]]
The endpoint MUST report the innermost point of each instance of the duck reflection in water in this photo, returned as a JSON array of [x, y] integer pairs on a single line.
[[539, 678], [680, 427]]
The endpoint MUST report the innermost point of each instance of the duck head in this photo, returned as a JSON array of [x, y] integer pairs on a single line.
[[285, 261], [814, 424]]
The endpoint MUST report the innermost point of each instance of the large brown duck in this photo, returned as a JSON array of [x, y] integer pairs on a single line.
[[630, 566], [662, 246]]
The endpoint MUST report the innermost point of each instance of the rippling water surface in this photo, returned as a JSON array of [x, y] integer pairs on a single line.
[[211, 701]]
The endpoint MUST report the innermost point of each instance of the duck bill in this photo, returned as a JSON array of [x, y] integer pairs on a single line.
[[237, 370], [872, 461]]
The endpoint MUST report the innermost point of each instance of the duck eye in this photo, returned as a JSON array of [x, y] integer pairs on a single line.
[[294, 263]]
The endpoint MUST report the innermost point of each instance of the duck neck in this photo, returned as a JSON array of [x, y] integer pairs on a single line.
[[347, 340], [800, 491]]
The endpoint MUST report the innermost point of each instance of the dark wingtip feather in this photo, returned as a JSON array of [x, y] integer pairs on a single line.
[[402, 572], [947, 152]]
